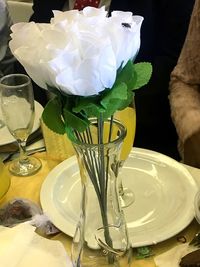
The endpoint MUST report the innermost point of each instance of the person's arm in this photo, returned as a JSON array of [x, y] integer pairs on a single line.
[[184, 92]]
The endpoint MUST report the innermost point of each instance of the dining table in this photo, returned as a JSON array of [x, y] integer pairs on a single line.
[[29, 188]]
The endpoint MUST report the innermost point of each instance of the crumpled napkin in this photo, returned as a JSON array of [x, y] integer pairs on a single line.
[[172, 257], [20, 246]]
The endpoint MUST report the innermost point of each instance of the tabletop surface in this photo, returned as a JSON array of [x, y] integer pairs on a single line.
[[29, 188]]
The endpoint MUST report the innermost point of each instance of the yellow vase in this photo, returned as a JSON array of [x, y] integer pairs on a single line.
[[58, 146]]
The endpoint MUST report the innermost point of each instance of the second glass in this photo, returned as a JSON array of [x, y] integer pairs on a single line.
[[128, 118], [17, 103]]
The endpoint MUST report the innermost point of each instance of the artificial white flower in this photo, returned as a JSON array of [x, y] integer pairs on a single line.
[[78, 52]]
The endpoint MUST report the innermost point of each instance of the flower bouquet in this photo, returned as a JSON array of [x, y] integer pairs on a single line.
[[85, 58]]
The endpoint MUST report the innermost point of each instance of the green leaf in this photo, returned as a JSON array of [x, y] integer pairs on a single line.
[[89, 105], [70, 134], [127, 75], [51, 116], [113, 99], [76, 122], [143, 72], [126, 103], [118, 93], [93, 110]]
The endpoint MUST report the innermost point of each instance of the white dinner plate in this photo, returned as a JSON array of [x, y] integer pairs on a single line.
[[164, 195], [5, 136]]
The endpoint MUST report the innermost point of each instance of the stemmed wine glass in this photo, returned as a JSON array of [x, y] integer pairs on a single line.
[[17, 103], [128, 118]]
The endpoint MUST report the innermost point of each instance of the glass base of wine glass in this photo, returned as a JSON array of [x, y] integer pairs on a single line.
[[26, 168], [126, 197]]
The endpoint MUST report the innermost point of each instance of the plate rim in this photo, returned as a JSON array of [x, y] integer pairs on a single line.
[[55, 172]]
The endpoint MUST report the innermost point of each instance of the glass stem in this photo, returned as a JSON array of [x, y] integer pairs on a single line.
[[22, 152]]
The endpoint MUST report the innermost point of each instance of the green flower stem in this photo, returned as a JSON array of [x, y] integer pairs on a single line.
[[102, 177], [104, 182]]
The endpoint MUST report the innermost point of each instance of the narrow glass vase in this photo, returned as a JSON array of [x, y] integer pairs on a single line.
[[101, 237]]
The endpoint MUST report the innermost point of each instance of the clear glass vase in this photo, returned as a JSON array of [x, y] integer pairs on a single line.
[[101, 237]]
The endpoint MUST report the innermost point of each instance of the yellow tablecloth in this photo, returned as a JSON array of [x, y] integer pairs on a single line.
[[29, 187]]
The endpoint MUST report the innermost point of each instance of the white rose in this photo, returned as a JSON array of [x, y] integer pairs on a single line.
[[78, 52]]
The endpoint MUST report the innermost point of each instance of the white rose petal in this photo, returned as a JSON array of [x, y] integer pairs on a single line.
[[98, 13], [69, 16], [64, 60]]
